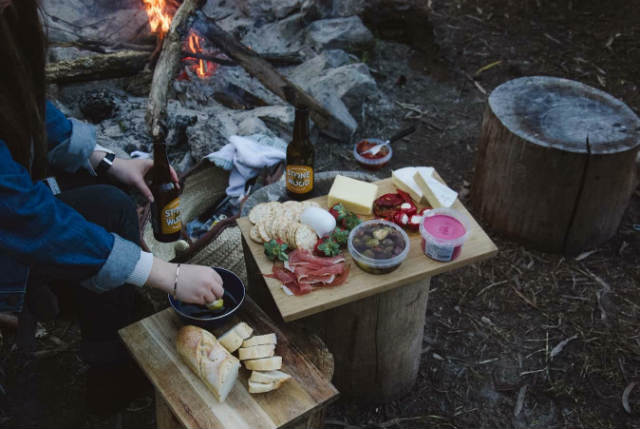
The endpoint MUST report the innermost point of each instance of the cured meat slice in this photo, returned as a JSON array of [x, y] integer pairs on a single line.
[[300, 256]]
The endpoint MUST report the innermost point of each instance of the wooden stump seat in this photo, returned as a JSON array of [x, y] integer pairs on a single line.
[[556, 163]]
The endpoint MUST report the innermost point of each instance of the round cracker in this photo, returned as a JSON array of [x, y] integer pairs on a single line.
[[263, 233], [254, 234], [291, 234], [258, 212], [305, 238]]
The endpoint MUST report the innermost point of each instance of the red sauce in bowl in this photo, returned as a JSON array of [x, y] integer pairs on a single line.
[[371, 161]]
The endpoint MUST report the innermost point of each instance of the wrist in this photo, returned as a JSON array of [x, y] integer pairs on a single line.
[[162, 275]]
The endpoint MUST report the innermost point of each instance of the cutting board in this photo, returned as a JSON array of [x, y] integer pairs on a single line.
[[359, 283], [152, 343]]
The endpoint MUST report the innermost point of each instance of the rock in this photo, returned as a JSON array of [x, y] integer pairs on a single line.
[[349, 34], [348, 7], [352, 83], [282, 37], [205, 136], [98, 105], [269, 9], [316, 66], [314, 10]]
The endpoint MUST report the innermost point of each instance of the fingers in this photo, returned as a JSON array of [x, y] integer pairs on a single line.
[[208, 297], [174, 177], [144, 189]]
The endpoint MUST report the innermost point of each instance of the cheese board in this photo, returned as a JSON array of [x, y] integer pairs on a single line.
[[360, 284]]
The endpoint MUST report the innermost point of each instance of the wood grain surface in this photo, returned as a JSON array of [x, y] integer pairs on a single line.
[[360, 284], [152, 343]]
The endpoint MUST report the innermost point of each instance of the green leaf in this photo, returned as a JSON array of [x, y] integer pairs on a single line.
[[329, 248], [340, 236], [275, 250]]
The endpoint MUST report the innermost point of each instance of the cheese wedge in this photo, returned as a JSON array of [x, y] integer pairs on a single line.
[[403, 179], [265, 364], [437, 194], [257, 352], [230, 340], [258, 340], [356, 196]]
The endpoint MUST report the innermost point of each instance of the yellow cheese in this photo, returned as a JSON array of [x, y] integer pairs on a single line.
[[437, 194], [356, 196], [403, 180]]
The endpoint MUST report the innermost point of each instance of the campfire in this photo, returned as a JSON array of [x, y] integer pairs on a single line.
[[160, 14]]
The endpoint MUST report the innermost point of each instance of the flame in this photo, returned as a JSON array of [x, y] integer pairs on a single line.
[[202, 68], [159, 18]]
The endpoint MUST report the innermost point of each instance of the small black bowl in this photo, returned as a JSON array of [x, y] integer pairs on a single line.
[[234, 293]]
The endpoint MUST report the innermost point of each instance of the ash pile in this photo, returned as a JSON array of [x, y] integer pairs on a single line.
[[318, 45]]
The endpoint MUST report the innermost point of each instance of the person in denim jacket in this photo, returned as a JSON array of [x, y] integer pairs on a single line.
[[84, 238]]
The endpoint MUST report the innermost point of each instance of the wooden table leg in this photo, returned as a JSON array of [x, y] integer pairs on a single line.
[[376, 342], [164, 417]]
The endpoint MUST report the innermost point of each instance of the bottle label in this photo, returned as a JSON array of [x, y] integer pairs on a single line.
[[170, 217], [299, 179]]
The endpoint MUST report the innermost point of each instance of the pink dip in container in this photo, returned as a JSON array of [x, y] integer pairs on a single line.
[[444, 231]]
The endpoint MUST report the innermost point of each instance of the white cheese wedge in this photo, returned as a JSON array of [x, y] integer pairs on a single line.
[[403, 180], [355, 195], [437, 194]]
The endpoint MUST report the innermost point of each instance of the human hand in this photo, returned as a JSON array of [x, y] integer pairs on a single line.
[[132, 171], [196, 284]]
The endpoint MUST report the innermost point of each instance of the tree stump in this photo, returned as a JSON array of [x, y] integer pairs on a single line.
[[555, 165]]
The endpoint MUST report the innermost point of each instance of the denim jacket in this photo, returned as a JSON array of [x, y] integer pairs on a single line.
[[37, 228]]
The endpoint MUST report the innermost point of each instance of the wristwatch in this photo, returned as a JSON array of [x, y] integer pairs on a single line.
[[105, 164]]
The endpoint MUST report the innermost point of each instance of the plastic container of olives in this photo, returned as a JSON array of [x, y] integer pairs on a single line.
[[378, 246]]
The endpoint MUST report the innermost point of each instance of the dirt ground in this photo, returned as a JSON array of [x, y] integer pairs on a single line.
[[492, 349]]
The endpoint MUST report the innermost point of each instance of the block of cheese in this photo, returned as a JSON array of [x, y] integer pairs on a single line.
[[437, 194], [356, 196], [403, 179]]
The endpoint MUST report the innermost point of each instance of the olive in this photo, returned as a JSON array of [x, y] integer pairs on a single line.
[[369, 253], [387, 242], [372, 242]]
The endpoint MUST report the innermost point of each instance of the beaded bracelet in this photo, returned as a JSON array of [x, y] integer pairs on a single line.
[[175, 284]]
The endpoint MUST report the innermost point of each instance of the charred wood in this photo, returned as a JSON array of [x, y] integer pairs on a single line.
[[97, 67]]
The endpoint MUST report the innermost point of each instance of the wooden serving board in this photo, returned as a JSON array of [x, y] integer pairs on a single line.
[[152, 343], [361, 284]]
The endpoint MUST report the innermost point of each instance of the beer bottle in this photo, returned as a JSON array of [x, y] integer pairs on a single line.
[[165, 210], [300, 158]]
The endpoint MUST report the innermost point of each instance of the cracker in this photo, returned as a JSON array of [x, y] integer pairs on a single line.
[[258, 212], [254, 234], [305, 237], [263, 233], [291, 234]]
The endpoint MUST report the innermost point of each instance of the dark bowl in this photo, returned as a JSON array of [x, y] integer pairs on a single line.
[[234, 293]]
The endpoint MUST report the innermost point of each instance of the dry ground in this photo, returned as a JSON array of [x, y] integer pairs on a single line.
[[493, 352]]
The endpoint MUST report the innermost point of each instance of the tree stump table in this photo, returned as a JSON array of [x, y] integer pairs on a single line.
[[556, 163], [373, 324]]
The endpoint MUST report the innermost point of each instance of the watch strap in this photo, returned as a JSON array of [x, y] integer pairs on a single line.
[[105, 164]]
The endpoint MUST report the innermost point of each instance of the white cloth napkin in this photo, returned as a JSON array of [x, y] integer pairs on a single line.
[[245, 156]]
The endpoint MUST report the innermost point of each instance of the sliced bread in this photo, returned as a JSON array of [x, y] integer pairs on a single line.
[[264, 364], [230, 340], [257, 352], [277, 377], [261, 387], [243, 330], [259, 340]]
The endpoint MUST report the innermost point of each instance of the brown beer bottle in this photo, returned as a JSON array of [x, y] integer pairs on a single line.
[[300, 158], [165, 210]]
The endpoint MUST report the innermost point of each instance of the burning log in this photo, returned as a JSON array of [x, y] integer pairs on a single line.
[[259, 68], [166, 68], [97, 67]]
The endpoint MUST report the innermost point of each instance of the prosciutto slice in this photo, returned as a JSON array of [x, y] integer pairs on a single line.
[[305, 272]]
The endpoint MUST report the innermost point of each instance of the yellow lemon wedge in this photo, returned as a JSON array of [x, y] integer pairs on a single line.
[[216, 305]]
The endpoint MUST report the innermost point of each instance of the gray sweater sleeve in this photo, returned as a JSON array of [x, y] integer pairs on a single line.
[[119, 265], [73, 153]]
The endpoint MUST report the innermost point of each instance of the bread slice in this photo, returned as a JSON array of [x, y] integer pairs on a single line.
[[277, 377], [231, 340], [257, 352], [243, 330], [264, 364], [208, 359], [259, 340], [261, 387]]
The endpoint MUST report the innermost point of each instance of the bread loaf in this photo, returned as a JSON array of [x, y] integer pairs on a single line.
[[208, 359]]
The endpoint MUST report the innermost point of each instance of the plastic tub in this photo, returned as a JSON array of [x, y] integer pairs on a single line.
[[444, 231], [371, 263], [381, 159]]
